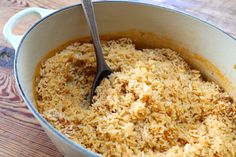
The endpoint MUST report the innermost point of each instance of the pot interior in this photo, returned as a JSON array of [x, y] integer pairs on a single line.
[[202, 45]]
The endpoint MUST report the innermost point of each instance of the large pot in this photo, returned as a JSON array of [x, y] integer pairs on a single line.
[[57, 27]]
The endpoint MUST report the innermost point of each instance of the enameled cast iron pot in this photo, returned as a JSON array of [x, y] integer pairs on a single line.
[[57, 27]]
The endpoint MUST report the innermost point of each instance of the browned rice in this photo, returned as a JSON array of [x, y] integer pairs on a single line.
[[152, 105]]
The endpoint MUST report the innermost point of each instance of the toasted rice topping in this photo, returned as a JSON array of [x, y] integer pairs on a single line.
[[153, 104]]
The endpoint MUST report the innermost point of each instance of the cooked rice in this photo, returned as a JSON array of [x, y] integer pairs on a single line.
[[153, 104]]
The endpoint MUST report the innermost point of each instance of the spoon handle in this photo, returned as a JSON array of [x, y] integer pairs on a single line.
[[90, 17]]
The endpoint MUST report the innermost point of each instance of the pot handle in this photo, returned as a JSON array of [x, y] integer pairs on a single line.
[[13, 39]]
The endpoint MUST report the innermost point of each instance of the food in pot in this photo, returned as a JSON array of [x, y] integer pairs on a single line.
[[154, 104]]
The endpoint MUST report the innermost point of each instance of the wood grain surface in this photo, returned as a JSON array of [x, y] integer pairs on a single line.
[[20, 133]]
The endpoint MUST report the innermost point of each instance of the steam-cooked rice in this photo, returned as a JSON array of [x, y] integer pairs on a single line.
[[152, 105]]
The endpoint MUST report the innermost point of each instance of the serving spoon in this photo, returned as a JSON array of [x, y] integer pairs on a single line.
[[103, 70]]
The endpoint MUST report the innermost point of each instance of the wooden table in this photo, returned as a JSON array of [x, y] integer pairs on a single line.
[[20, 134]]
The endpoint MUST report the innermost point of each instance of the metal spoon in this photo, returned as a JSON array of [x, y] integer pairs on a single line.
[[103, 69]]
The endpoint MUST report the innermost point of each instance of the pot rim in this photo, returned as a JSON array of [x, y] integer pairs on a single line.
[[30, 104]]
